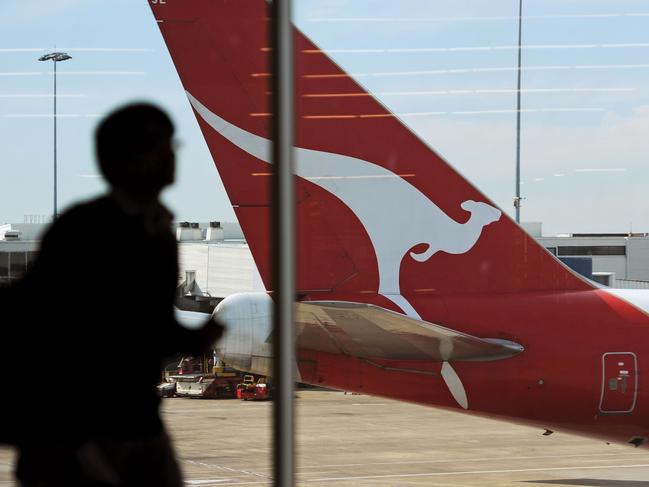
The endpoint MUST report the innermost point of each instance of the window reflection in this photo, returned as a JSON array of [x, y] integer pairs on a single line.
[[446, 73]]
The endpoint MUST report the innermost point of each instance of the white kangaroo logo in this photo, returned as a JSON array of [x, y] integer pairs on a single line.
[[395, 214]]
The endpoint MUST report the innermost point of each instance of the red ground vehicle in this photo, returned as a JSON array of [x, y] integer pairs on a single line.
[[251, 390]]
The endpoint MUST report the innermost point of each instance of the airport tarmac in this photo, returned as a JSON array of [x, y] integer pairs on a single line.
[[352, 440]]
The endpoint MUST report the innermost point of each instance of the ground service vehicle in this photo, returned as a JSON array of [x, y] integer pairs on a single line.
[[256, 390], [206, 386], [197, 377]]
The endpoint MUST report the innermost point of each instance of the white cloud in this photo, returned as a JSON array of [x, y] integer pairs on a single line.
[[485, 146], [599, 170]]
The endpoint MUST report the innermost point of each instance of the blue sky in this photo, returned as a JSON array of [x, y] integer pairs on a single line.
[[447, 67]]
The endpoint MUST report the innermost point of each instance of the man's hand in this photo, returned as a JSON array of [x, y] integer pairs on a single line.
[[213, 330]]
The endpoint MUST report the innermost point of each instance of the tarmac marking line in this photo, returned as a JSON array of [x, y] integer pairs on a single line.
[[253, 482], [472, 472], [228, 469], [481, 459], [206, 481]]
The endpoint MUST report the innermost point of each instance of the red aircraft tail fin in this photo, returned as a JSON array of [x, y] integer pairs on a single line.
[[379, 213]]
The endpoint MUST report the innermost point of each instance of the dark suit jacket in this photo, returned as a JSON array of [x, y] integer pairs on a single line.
[[92, 320]]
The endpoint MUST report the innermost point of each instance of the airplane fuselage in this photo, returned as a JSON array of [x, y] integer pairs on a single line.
[[579, 372]]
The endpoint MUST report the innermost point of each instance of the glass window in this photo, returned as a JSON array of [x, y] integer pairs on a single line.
[[31, 257], [395, 103], [18, 264], [592, 250], [4, 264]]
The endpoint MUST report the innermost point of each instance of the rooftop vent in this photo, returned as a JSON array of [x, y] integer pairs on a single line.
[[187, 231], [215, 232], [13, 235]]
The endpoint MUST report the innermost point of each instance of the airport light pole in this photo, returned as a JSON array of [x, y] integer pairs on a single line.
[[517, 198], [55, 57]]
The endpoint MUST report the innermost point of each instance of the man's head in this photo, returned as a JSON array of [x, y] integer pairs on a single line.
[[134, 149]]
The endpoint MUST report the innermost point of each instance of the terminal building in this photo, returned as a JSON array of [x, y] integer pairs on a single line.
[[215, 261], [619, 260]]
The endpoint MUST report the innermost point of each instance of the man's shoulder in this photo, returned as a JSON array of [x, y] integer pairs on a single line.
[[103, 216], [100, 204], [82, 216], [94, 205]]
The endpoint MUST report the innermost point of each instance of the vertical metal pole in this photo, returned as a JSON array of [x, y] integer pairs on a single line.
[[207, 272], [283, 209], [517, 200], [55, 176]]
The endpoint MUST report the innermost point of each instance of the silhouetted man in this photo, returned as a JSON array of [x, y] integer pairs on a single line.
[[98, 309]]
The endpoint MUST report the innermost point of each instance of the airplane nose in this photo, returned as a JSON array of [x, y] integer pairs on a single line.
[[248, 319], [231, 312]]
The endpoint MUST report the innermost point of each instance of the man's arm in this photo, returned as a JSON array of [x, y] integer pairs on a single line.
[[193, 342]]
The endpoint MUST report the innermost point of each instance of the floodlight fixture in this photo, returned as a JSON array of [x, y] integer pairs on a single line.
[[55, 56]]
